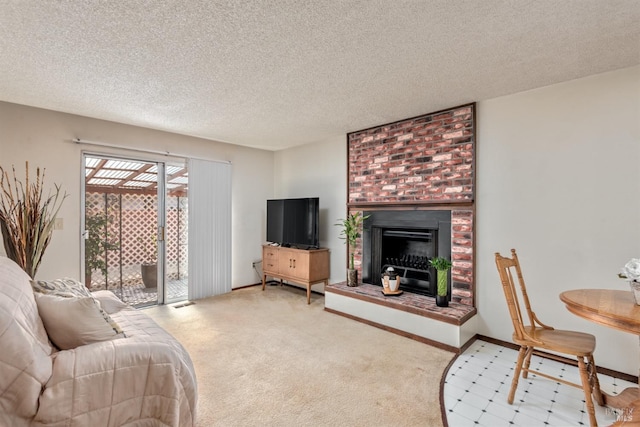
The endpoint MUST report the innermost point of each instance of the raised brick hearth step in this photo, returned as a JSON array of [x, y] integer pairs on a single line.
[[413, 315]]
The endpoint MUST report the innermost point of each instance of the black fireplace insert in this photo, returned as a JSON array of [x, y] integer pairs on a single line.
[[406, 240]]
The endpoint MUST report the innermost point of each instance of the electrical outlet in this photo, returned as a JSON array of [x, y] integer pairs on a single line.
[[58, 224]]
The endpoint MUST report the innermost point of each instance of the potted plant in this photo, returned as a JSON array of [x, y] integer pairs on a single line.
[[96, 246], [27, 218], [350, 233], [442, 266], [149, 267]]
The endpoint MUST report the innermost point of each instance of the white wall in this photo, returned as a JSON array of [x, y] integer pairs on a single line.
[[319, 170], [558, 179], [43, 138]]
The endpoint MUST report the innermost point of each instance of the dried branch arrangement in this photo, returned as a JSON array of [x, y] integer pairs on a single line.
[[27, 218]]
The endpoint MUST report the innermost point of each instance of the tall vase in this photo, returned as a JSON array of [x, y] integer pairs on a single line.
[[635, 288], [441, 294]]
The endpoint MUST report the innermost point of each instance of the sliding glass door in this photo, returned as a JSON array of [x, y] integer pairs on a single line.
[[135, 229]]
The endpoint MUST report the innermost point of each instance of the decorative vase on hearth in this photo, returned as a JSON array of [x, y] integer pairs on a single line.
[[442, 266], [442, 300], [352, 277], [390, 280]]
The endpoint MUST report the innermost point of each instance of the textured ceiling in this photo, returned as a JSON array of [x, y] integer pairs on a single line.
[[280, 73]]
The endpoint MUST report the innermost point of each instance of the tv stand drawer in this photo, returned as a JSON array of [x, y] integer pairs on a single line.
[[270, 259]]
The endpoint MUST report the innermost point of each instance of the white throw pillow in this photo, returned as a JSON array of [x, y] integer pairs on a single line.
[[70, 288], [108, 301], [72, 322]]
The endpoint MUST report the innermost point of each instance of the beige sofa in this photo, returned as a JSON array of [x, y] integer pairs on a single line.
[[144, 379]]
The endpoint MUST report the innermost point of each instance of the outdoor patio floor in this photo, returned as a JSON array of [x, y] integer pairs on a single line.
[[139, 295]]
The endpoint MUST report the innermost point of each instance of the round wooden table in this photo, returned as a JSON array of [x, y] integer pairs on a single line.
[[616, 309]]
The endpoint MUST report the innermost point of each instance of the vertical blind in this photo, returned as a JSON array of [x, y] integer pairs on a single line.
[[209, 228]]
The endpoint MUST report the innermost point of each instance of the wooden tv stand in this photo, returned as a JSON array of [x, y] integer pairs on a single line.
[[297, 265]]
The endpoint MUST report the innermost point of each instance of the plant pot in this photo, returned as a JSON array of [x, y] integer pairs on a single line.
[[149, 275], [352, 277], [442, 301], [441, 294]]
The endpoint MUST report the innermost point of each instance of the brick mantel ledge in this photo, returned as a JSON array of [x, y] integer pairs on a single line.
[[456, 314], [444, 205]]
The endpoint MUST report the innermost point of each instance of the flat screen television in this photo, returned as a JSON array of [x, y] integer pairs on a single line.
[[294, 222]]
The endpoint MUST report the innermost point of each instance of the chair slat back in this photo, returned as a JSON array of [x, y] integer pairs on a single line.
[[506, 268]]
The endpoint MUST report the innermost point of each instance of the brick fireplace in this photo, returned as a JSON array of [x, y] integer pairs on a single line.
[[416, 178], [426, 163]]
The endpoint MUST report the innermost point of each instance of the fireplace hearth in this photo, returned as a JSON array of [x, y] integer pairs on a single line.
[[406, 241]]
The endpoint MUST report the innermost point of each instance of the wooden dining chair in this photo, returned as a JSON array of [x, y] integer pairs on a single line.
[[533, 336]]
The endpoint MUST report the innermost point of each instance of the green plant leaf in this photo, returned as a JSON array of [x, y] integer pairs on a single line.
[[351, 232], [440, 263]]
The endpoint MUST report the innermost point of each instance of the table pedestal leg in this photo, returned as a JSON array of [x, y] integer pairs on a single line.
[[629, 403]]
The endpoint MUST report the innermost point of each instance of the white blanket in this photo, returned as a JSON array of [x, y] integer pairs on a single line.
[[145, 379]]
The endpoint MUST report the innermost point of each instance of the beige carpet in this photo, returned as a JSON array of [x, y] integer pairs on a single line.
[[269, 359]]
